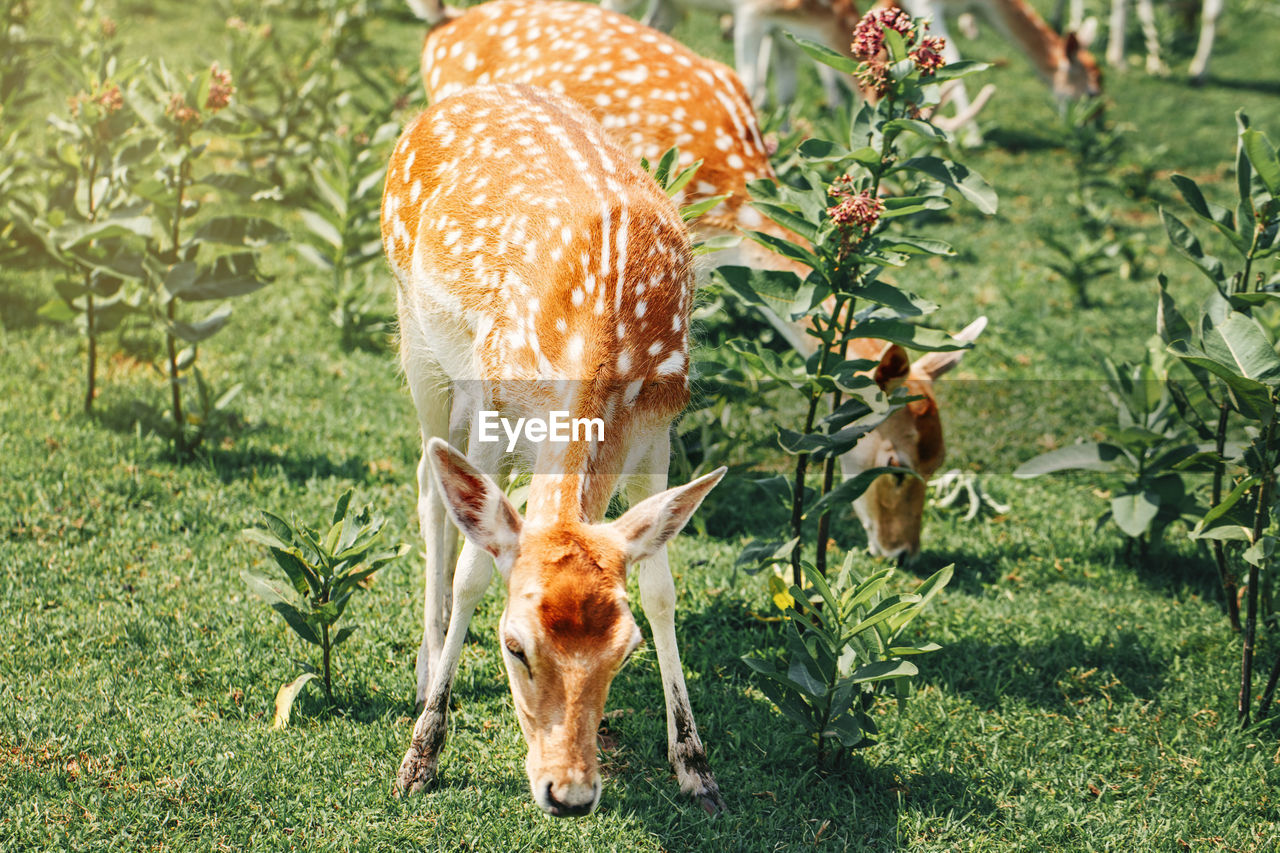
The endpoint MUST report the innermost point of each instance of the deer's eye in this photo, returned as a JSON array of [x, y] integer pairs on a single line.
[[513, 648]]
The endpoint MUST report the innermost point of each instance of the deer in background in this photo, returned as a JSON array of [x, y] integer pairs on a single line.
[[651, 92], [1210, 10], [1062, 61], [540, 270]]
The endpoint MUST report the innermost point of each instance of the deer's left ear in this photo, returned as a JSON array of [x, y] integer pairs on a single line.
[[652, 523], [475, 503], [934, 364], [1087, 32]]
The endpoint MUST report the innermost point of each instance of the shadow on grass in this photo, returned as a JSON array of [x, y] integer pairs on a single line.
[[1265, 87], [1053, 674], [764, 764], [19, 308], [230, 464], [1019, 139], [231, 460]]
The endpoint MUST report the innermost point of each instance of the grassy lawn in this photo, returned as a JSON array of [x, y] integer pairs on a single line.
[[1080, 701]]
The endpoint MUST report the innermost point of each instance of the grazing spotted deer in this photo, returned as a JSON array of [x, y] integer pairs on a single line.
[[651, 92], [1062, 61], [541, 272]]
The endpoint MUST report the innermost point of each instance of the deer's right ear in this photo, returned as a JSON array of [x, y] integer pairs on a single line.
[[475, 503], [893, 368]]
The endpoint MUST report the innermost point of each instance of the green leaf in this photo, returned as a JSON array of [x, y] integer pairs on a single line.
[[1263, 158], [1189, 247], [908, 335], [229, 276], [57, 311], [342, 635], [76, 234], [343, 503], [825, 55], [1216, 215], [1133, 511], [913, 125], [965, 181], [1247, 396], [240, 231], [955, 70], [915, 245], [285, 697], [902, 302], [1241, 344], [321, 227], [916, 649], [1086, 456], [823, 150], [845, 729], [269, 592], [1170, 324], [789, 220], [882, 669], [1230, 518], [194, 333], [853, 488], [786, 248], [695, 209]]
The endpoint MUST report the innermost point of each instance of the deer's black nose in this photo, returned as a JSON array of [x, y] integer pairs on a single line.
[[559, 809]]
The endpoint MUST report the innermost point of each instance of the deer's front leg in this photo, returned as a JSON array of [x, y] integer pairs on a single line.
[[684, 747], [418, 769], [658, 598]]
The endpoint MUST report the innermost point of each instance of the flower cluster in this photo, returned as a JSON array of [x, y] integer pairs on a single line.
[[110, 98], [181, 112], [856, 212], [220, 89], [868, 35], [868, 46], [928, 55], [107, 97]]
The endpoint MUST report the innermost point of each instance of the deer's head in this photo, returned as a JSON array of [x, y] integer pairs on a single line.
[[567, 628], [892, 509], [1077, 74]]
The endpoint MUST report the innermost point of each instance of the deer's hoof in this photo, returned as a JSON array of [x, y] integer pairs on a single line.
[[417, 772], [712, 803]]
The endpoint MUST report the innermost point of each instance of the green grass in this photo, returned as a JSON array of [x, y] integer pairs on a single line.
[[1079, 703]]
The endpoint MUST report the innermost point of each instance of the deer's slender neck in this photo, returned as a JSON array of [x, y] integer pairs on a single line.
[[1028, 31], [573, 481]]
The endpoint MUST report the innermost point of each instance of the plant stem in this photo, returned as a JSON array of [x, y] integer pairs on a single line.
[[829, 467], [179, 422], [90, 384], [1229, 587], [1265, 704], [90, 329], [1260, 517], [328, 684], [797, 490]]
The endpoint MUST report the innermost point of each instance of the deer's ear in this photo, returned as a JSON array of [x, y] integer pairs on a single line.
[[1087, 32], [475, 503], [893, 368], [655, 521], [934, 364]]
